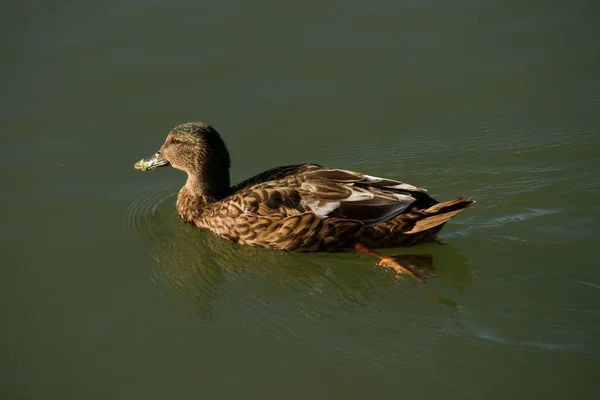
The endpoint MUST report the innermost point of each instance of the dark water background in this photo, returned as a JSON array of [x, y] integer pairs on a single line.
[[106, 294]]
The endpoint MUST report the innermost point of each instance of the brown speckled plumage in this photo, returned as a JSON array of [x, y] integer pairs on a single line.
[[298, 207]]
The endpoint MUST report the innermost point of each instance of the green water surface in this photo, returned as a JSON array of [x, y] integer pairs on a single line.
[[106, 294]]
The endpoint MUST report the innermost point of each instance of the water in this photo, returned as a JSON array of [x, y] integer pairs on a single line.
[[107, 294]]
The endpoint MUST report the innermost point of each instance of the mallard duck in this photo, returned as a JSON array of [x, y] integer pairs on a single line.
[[303, 207]]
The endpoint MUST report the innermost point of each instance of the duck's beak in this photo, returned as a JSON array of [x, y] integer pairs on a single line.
[[154, 161]]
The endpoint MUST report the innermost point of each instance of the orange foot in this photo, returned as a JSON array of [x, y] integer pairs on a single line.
[[391, 262]]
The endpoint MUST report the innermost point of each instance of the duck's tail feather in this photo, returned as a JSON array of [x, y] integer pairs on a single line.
[[440, 213]]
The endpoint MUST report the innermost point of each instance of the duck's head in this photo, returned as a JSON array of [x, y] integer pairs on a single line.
[[197, 149]]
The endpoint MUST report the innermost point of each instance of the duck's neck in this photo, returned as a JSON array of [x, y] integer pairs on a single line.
[[197, 194]]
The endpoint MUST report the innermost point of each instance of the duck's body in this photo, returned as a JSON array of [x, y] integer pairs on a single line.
[[299, 207], [309, 208]]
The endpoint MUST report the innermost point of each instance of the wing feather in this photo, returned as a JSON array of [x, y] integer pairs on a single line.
[[351, 177], [335, 199], [328, 193]]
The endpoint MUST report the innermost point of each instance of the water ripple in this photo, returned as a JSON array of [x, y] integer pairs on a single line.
[[147, 214], [490, 336]]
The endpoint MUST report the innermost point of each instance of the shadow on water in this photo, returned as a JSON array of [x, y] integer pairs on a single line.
[[199, 268]]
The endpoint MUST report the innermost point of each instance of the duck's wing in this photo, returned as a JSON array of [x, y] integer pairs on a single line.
[[363, 180], [352, 195], [328, 193]]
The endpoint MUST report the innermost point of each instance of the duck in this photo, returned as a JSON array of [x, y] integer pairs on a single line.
[[298, 208]]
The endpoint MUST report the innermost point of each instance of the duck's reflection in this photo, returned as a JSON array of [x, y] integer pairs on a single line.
[[201, 270]]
